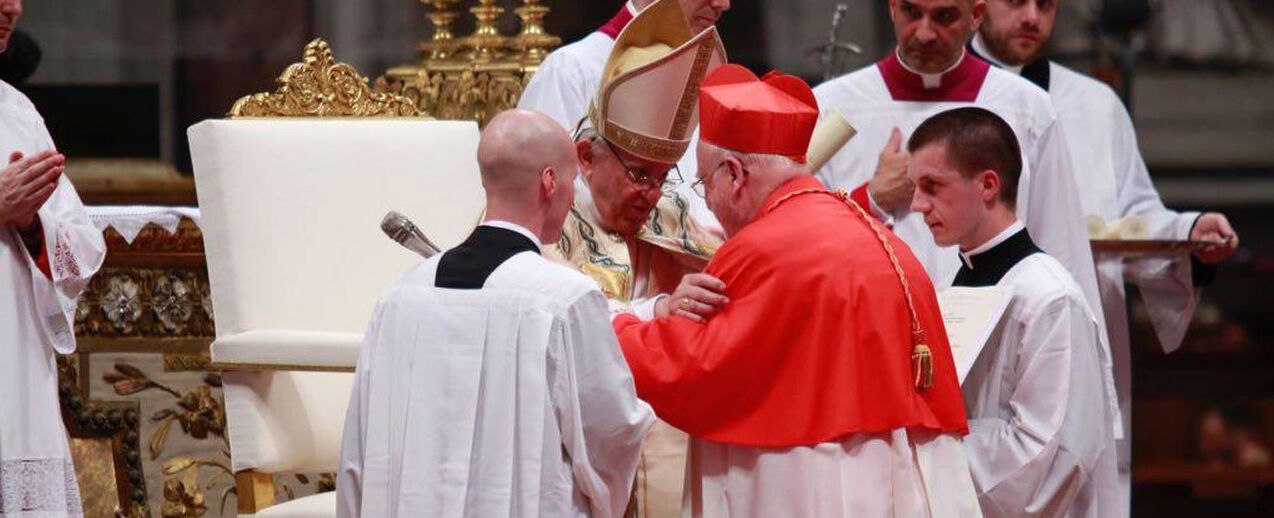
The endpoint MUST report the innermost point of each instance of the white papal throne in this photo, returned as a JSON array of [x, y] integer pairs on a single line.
[[291, 208]]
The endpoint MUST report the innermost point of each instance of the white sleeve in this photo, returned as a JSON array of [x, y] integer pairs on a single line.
[[349, 474], [1135, 191], [557, 89], [75, 249], [1166, 284], [593, 395], [1035, 462], [1054, 215]]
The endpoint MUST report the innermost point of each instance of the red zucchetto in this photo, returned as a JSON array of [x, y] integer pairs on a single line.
[[773, 115]]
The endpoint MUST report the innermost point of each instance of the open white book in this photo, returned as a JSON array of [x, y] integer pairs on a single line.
[[970, 315]]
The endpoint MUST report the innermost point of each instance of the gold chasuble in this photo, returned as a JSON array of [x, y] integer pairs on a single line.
[[681, 246], [647, 106]]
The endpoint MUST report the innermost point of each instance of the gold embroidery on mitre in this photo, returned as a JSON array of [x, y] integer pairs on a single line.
[[648, 147], [656, 47], [690, 96]]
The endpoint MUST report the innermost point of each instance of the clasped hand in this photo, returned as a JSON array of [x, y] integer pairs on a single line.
[[25, 184]]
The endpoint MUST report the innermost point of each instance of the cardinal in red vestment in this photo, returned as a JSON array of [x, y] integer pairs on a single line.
[[820, 382]]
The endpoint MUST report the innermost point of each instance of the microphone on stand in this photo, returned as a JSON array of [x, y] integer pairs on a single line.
[[404, 232]]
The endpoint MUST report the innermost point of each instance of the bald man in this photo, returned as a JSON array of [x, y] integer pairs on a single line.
[[490, 382]]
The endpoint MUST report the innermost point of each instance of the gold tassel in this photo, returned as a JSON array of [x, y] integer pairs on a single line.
[[922, 366]]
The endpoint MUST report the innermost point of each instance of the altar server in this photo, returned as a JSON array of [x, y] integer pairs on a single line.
[[489, 383], [1114, 183], [928, 72], [1041, 420], [48, 252]]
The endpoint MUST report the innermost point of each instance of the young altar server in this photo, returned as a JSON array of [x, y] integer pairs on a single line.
[[1114, 183], [928, 72], [1041, 419], [489, 382]]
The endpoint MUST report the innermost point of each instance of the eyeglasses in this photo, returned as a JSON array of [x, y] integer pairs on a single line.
[[642, 179], [698, 187]]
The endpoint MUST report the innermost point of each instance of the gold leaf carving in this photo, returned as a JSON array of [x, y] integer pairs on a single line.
[[178, 464], [319, 86]]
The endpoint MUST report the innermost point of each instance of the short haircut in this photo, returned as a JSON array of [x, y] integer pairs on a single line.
[[975, 140]]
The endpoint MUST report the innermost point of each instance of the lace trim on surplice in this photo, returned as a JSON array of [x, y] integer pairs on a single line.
[[63, 260], [30, 487]]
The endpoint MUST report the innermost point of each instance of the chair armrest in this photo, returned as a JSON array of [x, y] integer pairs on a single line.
[[289, 350]]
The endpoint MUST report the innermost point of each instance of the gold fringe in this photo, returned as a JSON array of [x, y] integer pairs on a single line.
[[922, 366]]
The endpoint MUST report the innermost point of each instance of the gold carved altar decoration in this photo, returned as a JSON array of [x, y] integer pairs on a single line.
[[320, 86], [476, 76]]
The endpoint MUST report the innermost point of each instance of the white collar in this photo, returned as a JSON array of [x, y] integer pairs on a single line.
[[930, 80], [508, 225], [632, 9], [1003, 236], [979, 46]]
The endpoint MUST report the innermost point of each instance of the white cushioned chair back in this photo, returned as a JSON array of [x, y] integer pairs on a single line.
[[291, 211]]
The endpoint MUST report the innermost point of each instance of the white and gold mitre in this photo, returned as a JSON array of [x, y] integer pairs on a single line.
[[648, 102]]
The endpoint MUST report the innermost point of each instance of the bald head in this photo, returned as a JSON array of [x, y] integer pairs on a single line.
[[528, 166], [516, 146]]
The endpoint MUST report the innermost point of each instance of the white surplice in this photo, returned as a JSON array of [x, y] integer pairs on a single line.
[[1041, 419], [511, 400], [1115, 183], [1048, 197], [899, 473], [569, 77], [37, 478], [650, 271]]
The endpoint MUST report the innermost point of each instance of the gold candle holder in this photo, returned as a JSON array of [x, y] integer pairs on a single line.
[[534, 41], [443, 43], [486, 42]]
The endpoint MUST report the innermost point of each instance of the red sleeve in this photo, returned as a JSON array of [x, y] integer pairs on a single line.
[[31, 240], [42, 261], [861, 198], [671, 357], [661, 354]]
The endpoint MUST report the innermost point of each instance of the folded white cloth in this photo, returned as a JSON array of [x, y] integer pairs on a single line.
[[129, 220]]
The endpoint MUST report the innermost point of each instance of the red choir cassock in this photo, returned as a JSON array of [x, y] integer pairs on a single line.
[[817, 340]]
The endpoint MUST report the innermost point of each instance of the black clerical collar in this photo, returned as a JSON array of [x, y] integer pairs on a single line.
[[987, 264], [1036, 71], [467, 266]]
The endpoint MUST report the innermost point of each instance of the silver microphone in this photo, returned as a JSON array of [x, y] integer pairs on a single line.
[[402, 230]]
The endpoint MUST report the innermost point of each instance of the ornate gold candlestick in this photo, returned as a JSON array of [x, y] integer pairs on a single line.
[[534, 42], [443, 43], [476, 76], [486, 42]]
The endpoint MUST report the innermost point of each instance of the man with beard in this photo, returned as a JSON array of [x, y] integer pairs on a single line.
[[628, 233], [1114, 184]]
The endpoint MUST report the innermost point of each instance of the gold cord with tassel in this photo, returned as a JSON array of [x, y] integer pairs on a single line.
[[921, 354]]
